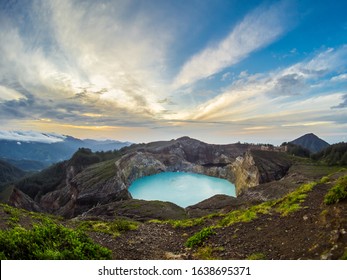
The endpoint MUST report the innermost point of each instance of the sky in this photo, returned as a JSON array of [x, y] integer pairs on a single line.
[[140, 71]]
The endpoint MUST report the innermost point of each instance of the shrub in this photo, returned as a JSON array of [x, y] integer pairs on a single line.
[[337, 192], [199, 237], [49, 241]]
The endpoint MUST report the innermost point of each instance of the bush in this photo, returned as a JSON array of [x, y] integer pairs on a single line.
[[199, 237], [49, 241], [337, 192]]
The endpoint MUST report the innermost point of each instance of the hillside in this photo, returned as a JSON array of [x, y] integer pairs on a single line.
[[311, 142], [9, 172], [333, 155]]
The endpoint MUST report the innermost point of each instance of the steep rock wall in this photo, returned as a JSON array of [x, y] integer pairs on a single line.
[[246, 173]]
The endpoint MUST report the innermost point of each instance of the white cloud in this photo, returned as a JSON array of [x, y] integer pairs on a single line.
[[31, 136], [257, 30], [339, 78], [9, 94]]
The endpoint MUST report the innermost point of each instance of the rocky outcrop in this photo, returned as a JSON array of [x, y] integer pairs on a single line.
[[257, 167], [246, 173], [21, 200], [184, 155], [136, 209]]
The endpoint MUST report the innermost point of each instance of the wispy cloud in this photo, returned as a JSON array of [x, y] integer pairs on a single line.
[[257, 30], [252, 95], [339, 78], [343, 104]]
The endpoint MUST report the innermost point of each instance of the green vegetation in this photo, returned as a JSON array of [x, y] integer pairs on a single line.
[[185, 223], [333, 155], [180, 223], [338, 192], [13, 213], [246, 215], [9, 172], [206, 253], [99, 167], [256, 256], [49, 241], [296, 150], [43, 182], [291, 202], [199, 237], [114, 228], [344, 256]]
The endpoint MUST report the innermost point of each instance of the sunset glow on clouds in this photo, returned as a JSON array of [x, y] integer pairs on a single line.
[[219, 71]]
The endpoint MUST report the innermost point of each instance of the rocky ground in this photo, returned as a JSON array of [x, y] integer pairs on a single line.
[[315, 231]]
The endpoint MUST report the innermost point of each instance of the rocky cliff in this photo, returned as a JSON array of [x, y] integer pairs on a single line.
[[257, 167]]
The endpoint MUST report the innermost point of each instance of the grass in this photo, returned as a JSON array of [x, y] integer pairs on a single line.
[[246, 215], [14, 214], [206, 253], [344, 256], [256, 256], [186, 223], [114, 228], [292, 201], [180, 223], [338, 192]]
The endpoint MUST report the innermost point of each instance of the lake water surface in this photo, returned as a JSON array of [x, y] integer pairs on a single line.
[[181, 188]]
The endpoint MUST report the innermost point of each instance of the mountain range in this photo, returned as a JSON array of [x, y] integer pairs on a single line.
[[33, 151]]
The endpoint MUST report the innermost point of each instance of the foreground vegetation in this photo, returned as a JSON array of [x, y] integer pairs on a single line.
[[49, 241], [45, 237]]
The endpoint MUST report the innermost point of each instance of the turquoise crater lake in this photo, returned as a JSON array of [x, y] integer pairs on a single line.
[[181, 188]]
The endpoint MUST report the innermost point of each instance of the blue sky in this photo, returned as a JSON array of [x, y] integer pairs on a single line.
[[219, 71]]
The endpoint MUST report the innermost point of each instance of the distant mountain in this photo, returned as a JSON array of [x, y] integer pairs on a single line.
[[311, 142], [27, 165], [9, 173], [47, 148], [104, 145]]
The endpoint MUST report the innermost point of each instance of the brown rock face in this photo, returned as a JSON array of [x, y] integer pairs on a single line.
[[21, 200], [257, 167]]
